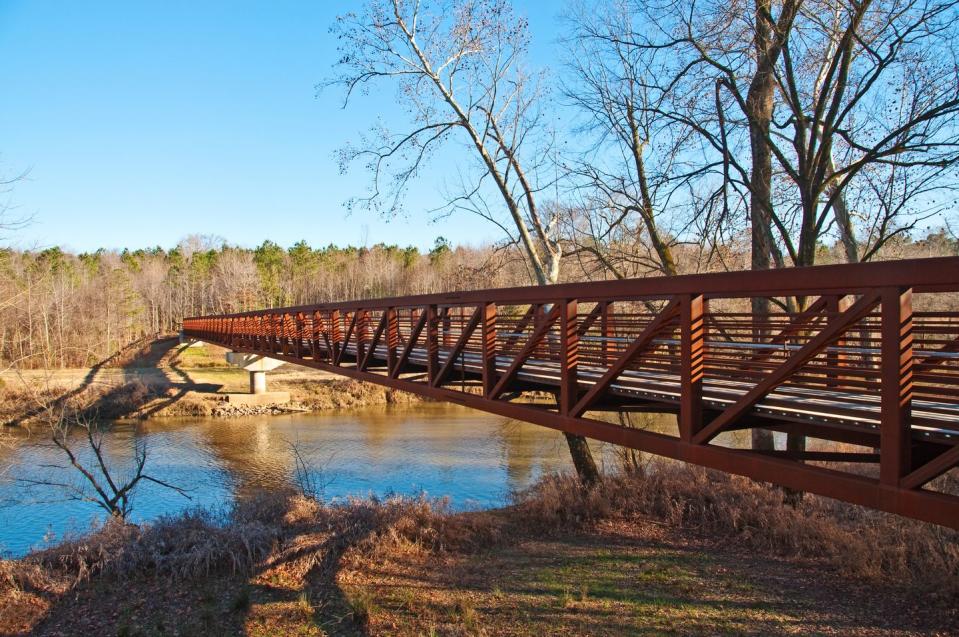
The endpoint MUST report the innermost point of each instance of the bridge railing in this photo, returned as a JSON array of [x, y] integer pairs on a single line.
[[863, 356]]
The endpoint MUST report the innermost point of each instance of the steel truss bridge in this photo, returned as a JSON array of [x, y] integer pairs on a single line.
[[870, 365]]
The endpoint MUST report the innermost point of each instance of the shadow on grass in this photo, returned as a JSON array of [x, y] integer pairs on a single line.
[[91, 375]]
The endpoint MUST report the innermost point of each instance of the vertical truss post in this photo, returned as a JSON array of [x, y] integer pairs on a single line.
[[489, 347], [300, 325], [362, 334], [336, 334], [316, 332], [897, 385], [432, 343], [606, 327], [568, 356], [392, 337], [691, 364], [836, 359]]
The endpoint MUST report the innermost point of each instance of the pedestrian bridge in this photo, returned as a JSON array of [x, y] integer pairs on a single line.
[[867, 371]]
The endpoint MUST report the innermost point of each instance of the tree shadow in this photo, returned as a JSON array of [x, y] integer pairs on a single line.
[[90, 377], [147, 381], [333, 610]]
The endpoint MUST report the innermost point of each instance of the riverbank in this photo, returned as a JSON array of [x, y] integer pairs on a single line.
[[675, 550], [162, 378]]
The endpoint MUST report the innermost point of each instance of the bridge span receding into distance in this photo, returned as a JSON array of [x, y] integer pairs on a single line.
[[870, 365]]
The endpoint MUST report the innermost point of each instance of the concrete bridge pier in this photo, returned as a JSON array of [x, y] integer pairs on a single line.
[[258, 366], [257, 382]]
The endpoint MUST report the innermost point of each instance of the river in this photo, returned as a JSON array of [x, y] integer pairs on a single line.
[[476, 460]]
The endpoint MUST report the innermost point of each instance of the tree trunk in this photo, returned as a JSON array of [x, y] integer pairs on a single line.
[[579, 450], [759, 103], [582, 460]]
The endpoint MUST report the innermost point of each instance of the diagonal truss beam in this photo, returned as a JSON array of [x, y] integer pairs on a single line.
[[346, 340], [377, 334], [458, 347], [594, 315], [930, 363], [410, 343], [931, 470], [801, 322], [534, 340], [521, 325], [635, 348], [800, 357]]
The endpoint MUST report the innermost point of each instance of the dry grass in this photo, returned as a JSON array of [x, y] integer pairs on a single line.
[[857, 541], [298, 539]]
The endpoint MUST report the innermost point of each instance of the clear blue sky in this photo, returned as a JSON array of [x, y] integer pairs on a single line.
[[142, 122]]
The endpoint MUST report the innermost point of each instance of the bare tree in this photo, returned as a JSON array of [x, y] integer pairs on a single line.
[[459, 69], [10, 218], [635, 173], [97, 481], [869, 98]]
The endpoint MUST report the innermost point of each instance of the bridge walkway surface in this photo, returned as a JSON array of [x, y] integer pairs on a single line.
[[870, 364]]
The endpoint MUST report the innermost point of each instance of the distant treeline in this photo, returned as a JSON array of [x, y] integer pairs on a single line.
[[59, 309]]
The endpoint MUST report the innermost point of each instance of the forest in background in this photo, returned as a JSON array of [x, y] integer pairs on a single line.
[[61, 309]]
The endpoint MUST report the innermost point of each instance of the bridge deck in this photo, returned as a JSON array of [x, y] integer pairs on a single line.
[[872, 362]]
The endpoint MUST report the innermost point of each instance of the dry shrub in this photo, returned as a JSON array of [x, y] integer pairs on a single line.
[[856, 540], [192, 544], [17, 576]]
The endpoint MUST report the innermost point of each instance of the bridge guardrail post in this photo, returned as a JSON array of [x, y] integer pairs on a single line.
[[568, 356], [896, 358], [432, 342], [692, 360], [392, 337], [336, 333], [489, 347]]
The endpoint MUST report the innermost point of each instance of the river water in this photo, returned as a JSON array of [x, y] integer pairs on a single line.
[[473, 458]]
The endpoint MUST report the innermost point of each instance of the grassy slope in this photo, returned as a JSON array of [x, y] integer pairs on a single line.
[[620, 579]]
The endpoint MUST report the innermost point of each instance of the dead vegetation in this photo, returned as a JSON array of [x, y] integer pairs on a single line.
[[295, 543]]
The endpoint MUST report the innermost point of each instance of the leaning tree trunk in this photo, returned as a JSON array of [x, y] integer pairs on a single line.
[[579, 449]]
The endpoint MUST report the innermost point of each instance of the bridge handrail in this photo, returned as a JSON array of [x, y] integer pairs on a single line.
[[939, 274]]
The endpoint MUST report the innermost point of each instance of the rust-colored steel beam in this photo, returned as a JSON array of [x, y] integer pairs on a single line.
[[839, 371], [458, 348], [635, 349], [832, 331]]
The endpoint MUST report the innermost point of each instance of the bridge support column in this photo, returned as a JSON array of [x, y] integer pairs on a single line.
[[257, 382], [257, 365]]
